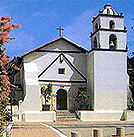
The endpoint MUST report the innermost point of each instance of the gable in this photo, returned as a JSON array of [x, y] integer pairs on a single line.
[[50, 71], [57, 46], [62, 45]]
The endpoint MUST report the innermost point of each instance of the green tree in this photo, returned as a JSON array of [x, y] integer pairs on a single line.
[[46, 92], [82, 98]]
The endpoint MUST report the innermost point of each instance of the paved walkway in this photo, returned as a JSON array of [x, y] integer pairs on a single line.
[[31, 130], [25, 129]]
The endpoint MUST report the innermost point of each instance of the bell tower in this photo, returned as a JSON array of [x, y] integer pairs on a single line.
[[107, 64], [108, 30]]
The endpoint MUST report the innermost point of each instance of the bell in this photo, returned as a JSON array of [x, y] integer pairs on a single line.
[[111, 44]]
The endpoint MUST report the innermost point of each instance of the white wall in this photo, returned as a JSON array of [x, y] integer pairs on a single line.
[[103, 39], [119, 22], [37, 62], [32, 98], [121, 39], [103, 35], [110, 87]]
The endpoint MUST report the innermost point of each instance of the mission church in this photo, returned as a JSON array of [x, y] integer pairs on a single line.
[[66, 66]]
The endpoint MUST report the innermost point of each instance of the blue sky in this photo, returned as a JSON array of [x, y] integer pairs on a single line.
[[40, 18]]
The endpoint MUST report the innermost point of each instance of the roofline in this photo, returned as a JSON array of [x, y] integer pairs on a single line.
[[61, 81], [63, 38]]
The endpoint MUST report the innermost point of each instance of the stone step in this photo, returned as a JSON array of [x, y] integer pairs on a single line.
[[71, 115], [63, 112], [67, 119], [65, 115]]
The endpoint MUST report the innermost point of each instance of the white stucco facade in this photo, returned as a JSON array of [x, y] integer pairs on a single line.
[[67, 66], [110, 77]]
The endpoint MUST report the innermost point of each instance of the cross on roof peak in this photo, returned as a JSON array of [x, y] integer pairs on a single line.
[[60, 31]]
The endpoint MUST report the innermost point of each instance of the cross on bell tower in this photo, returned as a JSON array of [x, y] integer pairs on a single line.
[[60, 31]]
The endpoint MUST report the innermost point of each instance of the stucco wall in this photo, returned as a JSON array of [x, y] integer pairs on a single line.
[[103, 39], [121, 39], [42, 60], [119, 22], [100, 115], [31, 100], [35, 116], [103, 35], [110, 73], [37, 63]]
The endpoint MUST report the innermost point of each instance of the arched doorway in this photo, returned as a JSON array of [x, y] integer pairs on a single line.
[[61, 99]]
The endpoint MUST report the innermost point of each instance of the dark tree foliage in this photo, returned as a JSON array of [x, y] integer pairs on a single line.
[[82, 98], [130, 66]]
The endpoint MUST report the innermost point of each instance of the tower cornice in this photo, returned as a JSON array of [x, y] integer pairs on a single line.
[[110, 30], [107, 15], [101, 49]]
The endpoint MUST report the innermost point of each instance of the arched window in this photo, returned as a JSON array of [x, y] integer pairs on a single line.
[[112, 24], [113, 41], [96, 27], [95, 43]]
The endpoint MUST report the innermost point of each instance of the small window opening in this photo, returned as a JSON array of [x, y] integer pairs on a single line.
[[96, 26], [95, 42], [61, 71], [112, 24]]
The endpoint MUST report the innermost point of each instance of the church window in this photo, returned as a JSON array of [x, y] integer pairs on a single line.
[[108, 11], [112, 24], [61, 71], [96, 26], [113, 41], [95, 42]]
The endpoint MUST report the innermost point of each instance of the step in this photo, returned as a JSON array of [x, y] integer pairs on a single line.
[[70, 119], [65, 118], [65, 115]]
